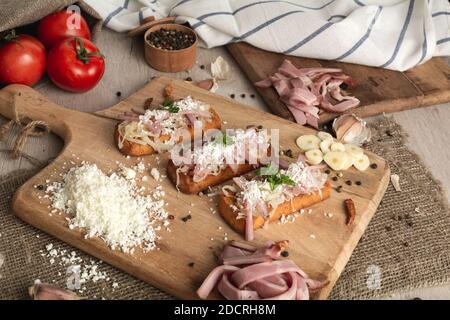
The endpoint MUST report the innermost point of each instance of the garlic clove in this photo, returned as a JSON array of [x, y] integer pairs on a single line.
[[351, 129], [220, 69], [208, 84], [44, 291]]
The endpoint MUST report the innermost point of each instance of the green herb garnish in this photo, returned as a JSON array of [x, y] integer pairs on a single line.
[[224, 139], [168, 105], [274, 177]]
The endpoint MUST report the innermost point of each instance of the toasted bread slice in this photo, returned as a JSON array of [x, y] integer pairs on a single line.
[[135, 149], [186, 183], [226, 204]]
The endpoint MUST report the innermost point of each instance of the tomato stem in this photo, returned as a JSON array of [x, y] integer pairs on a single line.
[[82, 53], [10, 36]]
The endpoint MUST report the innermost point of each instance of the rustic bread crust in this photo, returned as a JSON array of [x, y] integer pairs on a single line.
[[136, 150], [186, 183], [286, 208]]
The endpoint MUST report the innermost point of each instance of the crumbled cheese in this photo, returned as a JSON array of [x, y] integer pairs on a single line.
[[128, 173], [155, 174], [395, 180], [108, 207]]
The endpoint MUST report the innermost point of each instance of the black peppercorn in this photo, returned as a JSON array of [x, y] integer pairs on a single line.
[[374, 166], [232, 96], [284, 254], [358, 183], [188, 79], [202, 67], [118, 94], [339, 189], [334, 178], [252, 96], [348, 182], [327, 171], [243, 95], [186, 218], [191, 264]]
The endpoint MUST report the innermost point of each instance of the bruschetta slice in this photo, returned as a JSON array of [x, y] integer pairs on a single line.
[[223, 157], [249, 204], [159, 129]]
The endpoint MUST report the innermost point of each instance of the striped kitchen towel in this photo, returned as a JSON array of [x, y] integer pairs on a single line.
[[392, 34]]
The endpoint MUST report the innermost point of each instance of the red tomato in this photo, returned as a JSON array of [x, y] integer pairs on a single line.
[[22, 59], [75, 65], [60, 25]]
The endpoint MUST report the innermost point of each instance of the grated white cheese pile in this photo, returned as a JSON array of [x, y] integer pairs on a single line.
[[110, 207]]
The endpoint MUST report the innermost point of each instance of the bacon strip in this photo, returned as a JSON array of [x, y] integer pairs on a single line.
[[307, 90], [263, 275]]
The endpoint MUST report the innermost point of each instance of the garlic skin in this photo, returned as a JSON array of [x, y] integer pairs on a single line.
[[44, 291], [351, 129], [220, 69]]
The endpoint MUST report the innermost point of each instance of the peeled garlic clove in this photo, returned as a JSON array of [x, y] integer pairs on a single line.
[[208, 84], [43, 291], [351, 129]]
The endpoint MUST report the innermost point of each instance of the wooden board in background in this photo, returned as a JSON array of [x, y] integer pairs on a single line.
[[380, 90], [90, 137]]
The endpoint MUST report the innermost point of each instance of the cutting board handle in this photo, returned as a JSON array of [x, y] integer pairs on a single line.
[[31, 105]]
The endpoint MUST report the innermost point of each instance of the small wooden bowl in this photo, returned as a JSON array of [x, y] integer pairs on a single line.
[[170, 60]]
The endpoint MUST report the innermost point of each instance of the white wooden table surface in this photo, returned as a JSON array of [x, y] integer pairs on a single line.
[[126, 72]]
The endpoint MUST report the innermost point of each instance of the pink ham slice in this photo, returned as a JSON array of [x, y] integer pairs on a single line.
[[274, 279], [307, 90]]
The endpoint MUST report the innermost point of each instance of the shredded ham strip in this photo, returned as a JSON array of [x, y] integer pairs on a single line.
[[250, 273], [307, 91]]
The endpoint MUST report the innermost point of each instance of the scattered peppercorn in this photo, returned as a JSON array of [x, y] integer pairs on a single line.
[[252, 96], [260, 127], [406, 244], [388, 228], [327, 171], [358, 183], [374, 166], [202, 67], [339, 189], [243, 95], [348, 182], [188, 79], [232, 96], [410, 223], [343, 86], [284, 254], [40, 187], [288, 153], [118, 94], [169, 39], [186, 218], [388, 133], [171, 217], [334, 178], [191, 264]]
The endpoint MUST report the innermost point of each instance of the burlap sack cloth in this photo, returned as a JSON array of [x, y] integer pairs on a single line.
[[406, 245], [17, 13]]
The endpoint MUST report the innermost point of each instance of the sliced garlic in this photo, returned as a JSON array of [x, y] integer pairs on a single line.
[[362, 163], [325, 146], [314, 156], [324, 136], [308, 142], [337, 146], [336, 160]]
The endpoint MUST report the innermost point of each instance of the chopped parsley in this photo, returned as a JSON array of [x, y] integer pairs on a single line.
[[168, 105], [224, 139], [274, 177]]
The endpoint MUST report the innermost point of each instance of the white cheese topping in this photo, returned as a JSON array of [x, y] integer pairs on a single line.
[[110, 207]]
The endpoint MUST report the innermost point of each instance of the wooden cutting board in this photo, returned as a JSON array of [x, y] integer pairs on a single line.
[[89, 137], [379, 90]]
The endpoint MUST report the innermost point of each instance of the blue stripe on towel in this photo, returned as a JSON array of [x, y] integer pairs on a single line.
[[424, 45], [337, 16], [265, 24], [112, 15], [141, 16], [178, 4], [363, 38], [309, 38], [125, 4], [359, 3], [443, 41], [440, 13], [402, 34]]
